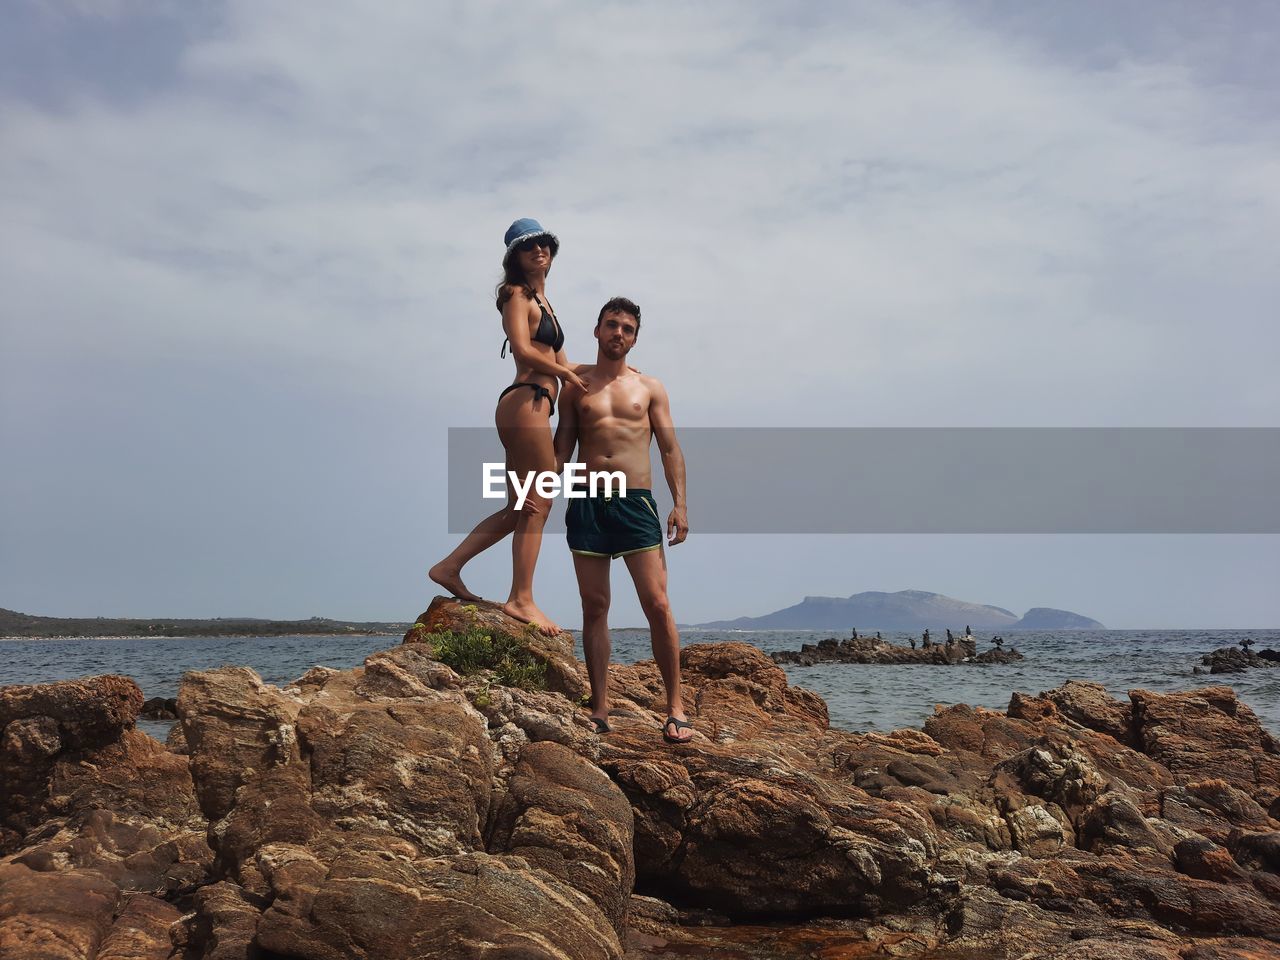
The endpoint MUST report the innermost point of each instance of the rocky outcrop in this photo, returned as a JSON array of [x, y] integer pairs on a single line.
[[101, 827], [401, 809], [564, 673], [1237, 660], [373, 812], [870, 650]]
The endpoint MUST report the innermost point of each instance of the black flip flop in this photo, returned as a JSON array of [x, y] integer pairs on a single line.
[[680, 725], [600, 725]]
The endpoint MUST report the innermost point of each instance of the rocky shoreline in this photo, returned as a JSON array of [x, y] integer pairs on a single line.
[[871, 650], [403, 809]]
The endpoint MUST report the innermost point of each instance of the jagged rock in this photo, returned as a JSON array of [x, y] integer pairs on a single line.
[[1089, 705], [564, 815], [1209, 734], [91, 796], [221, 927], [89, 713], [42, 722], [871, 650], [357, 813], [235, 726], [1211, 808], [1237, 660]]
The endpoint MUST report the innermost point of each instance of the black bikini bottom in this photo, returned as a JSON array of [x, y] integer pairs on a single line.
[[540, 392]]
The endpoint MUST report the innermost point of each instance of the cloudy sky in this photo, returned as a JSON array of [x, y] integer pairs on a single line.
[[247, 254]]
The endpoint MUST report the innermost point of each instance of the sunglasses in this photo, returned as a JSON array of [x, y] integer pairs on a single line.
[[535, 242]]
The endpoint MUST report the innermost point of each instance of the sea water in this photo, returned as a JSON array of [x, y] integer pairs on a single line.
[[859, 696]]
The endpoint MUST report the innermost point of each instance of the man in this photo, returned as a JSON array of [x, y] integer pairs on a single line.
[[612, 421]]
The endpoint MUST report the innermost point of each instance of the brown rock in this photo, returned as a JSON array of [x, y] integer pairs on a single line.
[[125, 808], [221, 927], [1054, 771], [43, 721], [89, 712], [140, 930], [1230, 948], [354, 803], [371, 907], [418, 769], [1209, 734], [563, 815], [1089, 705], [564, 674], [987, 733], [1205, 859], [235, 726], [1114, 821], [1212, 808], [404, 671], [53, 916]]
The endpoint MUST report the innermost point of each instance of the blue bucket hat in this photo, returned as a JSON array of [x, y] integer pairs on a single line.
[[526, 228]]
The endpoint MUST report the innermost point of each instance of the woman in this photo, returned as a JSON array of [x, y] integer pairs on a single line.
[[523, 418]]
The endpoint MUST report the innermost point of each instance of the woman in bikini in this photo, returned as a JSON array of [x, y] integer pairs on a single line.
[[523, 418]]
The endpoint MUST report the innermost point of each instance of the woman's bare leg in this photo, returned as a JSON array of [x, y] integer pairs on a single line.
[[448, 572], [526, 435]]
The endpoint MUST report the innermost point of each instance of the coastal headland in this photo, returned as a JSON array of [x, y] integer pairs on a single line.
[[448, 799], [15, 624]]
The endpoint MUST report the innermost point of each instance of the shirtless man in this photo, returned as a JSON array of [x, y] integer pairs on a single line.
[[612, 421]]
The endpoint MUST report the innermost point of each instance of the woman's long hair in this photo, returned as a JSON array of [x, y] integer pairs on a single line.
[[513, 276]]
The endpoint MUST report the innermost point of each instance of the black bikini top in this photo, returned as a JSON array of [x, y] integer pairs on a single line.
[[549, 331]]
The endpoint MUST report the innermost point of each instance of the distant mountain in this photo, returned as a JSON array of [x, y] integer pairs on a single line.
[[904, 610], [1047, 618]]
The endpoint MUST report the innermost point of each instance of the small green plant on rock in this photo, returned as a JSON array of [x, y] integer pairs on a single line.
[[474, 650]]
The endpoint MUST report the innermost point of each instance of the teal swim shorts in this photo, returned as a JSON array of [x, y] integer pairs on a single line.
[[614, 526]]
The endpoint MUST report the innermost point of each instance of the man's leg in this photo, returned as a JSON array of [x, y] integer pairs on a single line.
[[649, 571], [593, 585]]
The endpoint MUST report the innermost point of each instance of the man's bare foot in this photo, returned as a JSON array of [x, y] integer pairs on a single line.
[[529, 613], [451, 580]]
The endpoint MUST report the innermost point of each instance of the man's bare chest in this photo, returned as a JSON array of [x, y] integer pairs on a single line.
[[623, 400]]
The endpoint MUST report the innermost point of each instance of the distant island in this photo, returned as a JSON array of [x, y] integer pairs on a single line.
[[904, 610], [15, 624]]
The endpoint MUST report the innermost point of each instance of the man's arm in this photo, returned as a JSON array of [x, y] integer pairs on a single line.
[[567, 428], [664, 432]]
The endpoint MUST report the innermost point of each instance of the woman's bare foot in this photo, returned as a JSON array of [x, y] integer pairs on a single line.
[[529, 613], [451, 580]]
